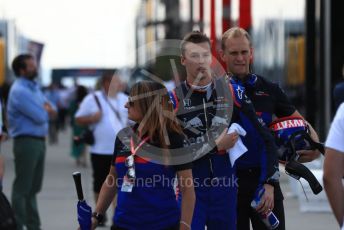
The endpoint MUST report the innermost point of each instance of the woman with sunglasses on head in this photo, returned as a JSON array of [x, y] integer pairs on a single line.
[[144, 167]]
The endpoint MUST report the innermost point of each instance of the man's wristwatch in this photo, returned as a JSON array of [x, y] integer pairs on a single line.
[[273, 183], [99, 217]]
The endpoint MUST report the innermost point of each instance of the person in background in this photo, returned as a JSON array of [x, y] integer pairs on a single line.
[[2, 170], [104, 113], [78, 149], [7, 215], [52, 94], [334, 166], [3, 136], [269, 101], [28, 113], [64, 95]]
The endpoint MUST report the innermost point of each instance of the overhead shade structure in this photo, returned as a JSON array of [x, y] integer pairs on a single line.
[[213, 27]]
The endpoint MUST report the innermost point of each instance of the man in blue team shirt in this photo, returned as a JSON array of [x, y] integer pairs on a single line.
[[269, 102], [28, 116]]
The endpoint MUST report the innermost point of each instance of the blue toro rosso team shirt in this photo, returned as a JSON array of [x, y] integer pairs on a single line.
[[268, 100], [152, 203], [204, 114]]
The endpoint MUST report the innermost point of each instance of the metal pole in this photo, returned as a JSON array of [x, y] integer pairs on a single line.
[[327, 67], [201, 15], [213, 27], [226, 19], [245, 15], [311, 105], [191, 15]]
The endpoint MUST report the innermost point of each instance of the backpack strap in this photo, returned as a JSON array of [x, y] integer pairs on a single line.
[[97, 101]]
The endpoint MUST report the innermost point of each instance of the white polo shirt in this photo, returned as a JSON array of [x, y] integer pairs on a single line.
[[335, 138], [106, 129]]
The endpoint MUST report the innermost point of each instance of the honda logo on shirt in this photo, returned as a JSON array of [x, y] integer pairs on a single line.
[[187, 102]]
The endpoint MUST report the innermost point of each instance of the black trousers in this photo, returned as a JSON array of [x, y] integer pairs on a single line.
[[101, 166], [248, 181]]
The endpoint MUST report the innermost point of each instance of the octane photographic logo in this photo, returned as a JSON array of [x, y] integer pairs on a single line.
[[204, 122]]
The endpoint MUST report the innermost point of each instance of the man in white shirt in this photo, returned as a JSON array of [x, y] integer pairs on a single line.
[[334, 166], [106, 119]]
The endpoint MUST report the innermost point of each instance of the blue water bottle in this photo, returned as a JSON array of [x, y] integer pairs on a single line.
[[269, 219]]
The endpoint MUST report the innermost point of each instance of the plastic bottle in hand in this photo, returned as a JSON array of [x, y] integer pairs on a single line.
[[269, 219]]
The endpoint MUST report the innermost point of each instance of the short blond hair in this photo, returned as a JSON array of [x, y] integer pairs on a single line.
[[234, 32]]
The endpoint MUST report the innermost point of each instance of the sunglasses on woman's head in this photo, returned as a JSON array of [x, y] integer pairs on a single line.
[[130, 101]]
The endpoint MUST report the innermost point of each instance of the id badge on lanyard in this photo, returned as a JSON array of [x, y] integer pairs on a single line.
[[127, 185], [129, 178]]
